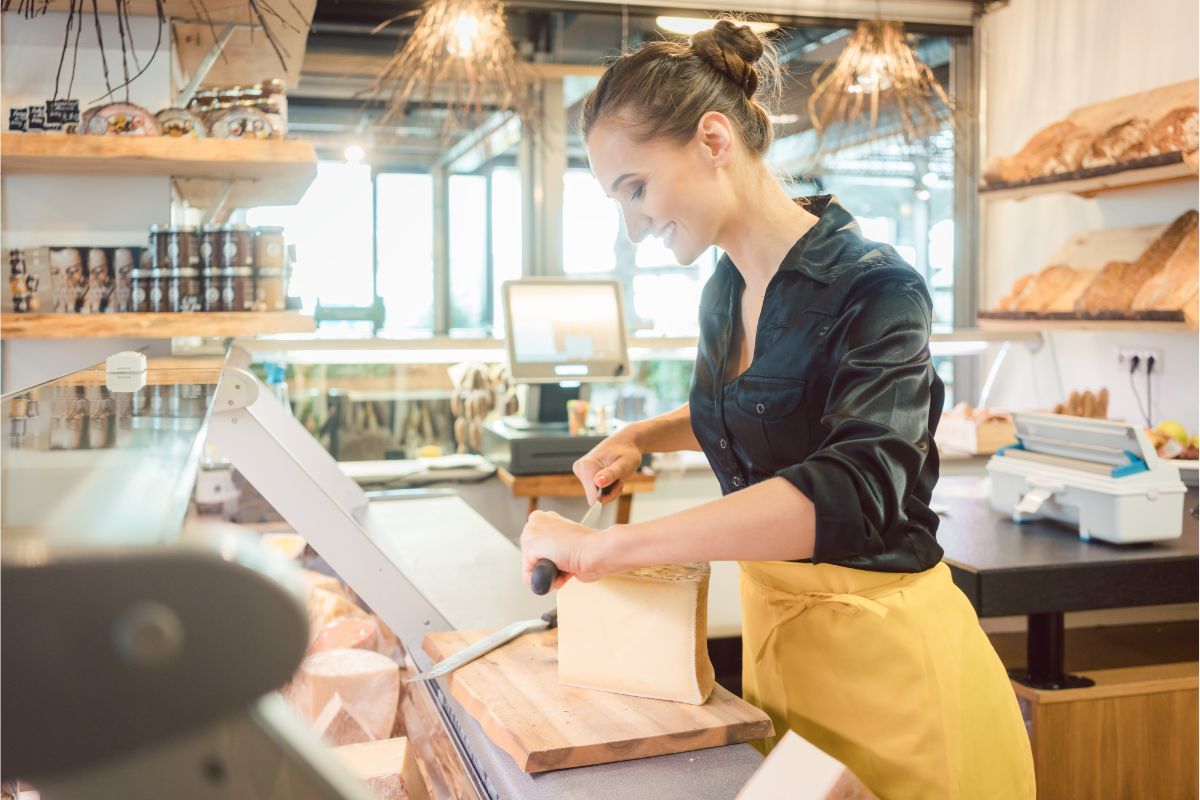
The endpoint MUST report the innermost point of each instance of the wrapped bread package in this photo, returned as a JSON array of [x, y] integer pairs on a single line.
[[642, 632]]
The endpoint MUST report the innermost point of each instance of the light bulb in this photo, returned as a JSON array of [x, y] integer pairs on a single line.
[[355, 153], [465, 37]]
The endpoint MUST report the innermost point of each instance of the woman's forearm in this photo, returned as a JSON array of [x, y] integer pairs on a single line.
[[770, 521], [665, 433]]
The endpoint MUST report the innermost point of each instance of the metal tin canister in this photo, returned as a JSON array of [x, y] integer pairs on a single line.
[[235, 289], [173, 247], [183, 290], [234, 247], [270, 251], [149, 290]]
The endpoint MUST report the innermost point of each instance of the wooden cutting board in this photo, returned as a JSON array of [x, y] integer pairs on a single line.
[[514, 694]]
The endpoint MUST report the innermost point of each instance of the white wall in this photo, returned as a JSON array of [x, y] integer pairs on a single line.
[[1041, 60], [71, 209]]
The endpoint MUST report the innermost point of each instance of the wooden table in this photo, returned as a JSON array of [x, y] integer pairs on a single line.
[[536, 486]]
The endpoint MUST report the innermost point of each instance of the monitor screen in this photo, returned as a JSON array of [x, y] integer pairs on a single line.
[[564, 330]]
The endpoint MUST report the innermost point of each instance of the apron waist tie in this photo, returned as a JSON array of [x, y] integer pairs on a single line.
[[791, 605]]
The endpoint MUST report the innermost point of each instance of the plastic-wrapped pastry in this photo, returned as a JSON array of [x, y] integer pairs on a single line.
[[241, 123], [180, 123], [118, 119]]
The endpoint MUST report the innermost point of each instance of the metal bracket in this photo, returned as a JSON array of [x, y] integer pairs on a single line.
[[218, 204], [206, 64]]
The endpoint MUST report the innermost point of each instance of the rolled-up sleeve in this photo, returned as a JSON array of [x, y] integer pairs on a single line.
[[877, 415]]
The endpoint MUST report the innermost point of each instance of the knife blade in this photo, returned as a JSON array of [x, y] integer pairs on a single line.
[[486, 645], [545, 571]]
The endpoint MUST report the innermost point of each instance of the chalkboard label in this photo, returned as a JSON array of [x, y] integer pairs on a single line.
[[18, 119], [62, 112]]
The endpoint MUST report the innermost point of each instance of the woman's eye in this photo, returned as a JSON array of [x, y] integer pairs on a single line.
[[638, 192]]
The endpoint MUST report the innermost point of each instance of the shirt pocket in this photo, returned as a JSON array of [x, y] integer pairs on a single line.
[[774, 414]]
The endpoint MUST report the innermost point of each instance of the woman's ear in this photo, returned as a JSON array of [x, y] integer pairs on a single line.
[[715, 135]]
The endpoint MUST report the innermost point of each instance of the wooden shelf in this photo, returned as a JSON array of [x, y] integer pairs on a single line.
[[152, 326], [1095, 325], [267, 173], [1170, 168]]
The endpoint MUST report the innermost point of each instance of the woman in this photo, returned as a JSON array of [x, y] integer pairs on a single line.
[[815, 400]]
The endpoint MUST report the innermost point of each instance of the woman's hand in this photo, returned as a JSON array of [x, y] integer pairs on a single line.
[[572, 547], [614, 459]]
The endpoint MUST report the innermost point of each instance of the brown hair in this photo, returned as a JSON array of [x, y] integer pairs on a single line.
[[663, 88]]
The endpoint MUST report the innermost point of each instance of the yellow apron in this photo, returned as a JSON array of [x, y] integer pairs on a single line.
[[889, 673]]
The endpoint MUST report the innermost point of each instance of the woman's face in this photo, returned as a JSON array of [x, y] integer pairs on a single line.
[[674, 191]]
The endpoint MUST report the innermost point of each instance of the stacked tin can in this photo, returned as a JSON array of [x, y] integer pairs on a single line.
[[168, 279]]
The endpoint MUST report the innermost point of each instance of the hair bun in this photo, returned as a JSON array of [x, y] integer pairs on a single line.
[[731, 49]]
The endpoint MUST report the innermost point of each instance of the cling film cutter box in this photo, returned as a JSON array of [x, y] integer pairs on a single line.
[[1102, 477]]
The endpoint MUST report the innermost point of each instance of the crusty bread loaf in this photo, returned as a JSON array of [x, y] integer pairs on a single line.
[[1191, 310], [1033, 158], [1119, 143], [1178, 131], [1049, 284], [1176, 282], [1109, 290], [1114, 288], [1068, 156], [1065, 300]]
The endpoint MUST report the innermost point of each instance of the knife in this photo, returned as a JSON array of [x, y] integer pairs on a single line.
[[486, 645], [545, 571]]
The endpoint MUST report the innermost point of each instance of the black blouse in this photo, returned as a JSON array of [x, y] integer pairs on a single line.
[[841, 397]]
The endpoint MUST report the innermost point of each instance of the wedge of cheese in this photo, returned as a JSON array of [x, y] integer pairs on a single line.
[[642, 632], [389, 768], [361, 633], [367, 683], [338, 726], [325, 607]]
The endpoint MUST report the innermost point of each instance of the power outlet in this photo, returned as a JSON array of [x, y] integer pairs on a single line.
[[1125, 356]]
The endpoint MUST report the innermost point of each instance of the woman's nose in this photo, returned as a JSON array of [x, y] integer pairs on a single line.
[[638, 226]]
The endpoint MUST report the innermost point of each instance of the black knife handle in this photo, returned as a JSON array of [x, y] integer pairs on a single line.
[[544, 573]]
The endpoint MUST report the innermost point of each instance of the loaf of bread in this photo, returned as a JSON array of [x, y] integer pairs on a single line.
[[1069, 154], [1065, 300], [1176, 282], [1178, 131], [1119, 143], [1119, 281], [1041, 155], [1049, 284]]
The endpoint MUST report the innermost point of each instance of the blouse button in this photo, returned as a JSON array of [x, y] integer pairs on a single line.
[[760, 408], [724, 444], [737, 482]]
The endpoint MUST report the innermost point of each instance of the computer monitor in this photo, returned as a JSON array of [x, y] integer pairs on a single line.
[[558, 329], [561, 334]]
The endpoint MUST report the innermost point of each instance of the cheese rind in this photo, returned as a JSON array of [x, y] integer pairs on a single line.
[[361, 633], [642, 633], [338, 726], [388, 767], [367, 683]]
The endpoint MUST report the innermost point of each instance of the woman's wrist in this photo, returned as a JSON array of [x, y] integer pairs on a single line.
[[608, 551]]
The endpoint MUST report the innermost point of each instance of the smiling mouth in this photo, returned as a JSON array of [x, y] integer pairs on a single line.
[[668, 234]]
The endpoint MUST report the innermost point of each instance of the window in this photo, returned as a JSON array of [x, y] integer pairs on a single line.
[[468, 250], [331, 225], [404, 242], [506, 237]]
